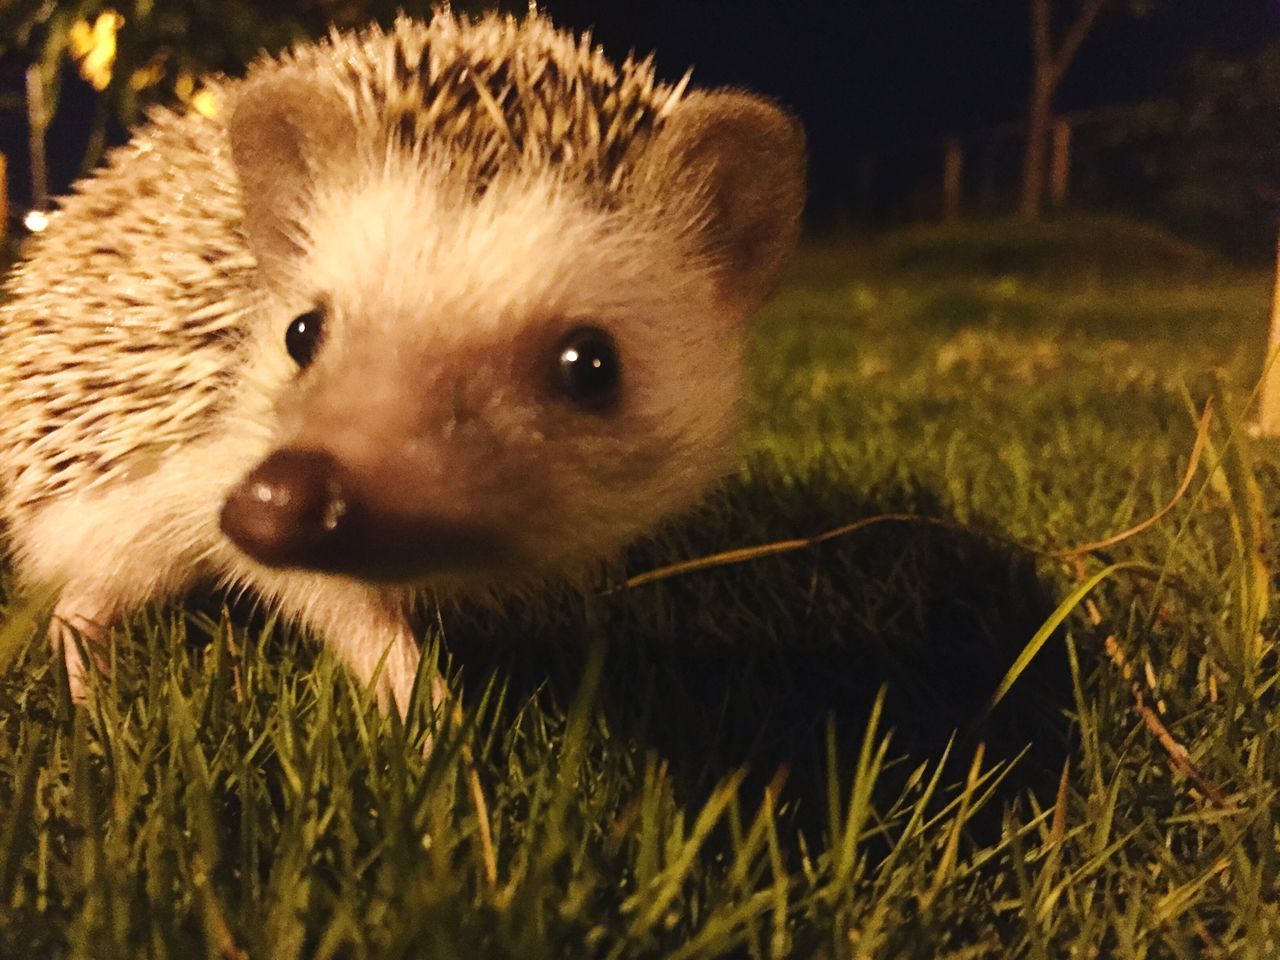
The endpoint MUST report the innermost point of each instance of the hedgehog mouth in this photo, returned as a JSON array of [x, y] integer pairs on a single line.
[[296, 510]]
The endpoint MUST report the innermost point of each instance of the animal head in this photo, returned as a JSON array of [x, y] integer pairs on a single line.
[[504, 290]]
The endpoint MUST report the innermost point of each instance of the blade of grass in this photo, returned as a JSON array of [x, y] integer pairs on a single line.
[[1046, 630]]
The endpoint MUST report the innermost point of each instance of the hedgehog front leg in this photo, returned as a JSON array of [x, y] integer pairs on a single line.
[[380, 650], [79, 619], [367, 630], [380, 655]]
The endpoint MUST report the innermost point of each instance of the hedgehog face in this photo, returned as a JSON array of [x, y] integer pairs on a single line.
[[473, 380], [487, 388]]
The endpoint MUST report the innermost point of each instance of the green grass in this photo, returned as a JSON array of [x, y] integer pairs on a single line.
[[787, 757]]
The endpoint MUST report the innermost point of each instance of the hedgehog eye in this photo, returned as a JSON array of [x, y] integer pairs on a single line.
[[302, 339], [587, 367]]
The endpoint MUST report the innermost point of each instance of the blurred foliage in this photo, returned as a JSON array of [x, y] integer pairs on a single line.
[[1208, 155], [139, 52], [1228, 163]]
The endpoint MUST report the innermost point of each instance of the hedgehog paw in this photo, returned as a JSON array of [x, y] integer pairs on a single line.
[[76, 632]]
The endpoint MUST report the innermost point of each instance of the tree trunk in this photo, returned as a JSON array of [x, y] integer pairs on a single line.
[[97, 142], [1039, 124], [1048, 66], [38, 122], [4, 204], [952, 179], [1269, 399], [1060, 165]]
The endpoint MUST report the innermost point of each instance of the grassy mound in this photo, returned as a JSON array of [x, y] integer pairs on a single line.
[[1057, 251]]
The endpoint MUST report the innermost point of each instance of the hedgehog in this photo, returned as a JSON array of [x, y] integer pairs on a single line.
[[441, 309]]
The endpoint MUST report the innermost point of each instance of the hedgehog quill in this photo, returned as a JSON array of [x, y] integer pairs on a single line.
[[451, 307]]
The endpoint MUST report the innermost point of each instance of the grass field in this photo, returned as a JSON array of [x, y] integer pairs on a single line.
[[784, 757]]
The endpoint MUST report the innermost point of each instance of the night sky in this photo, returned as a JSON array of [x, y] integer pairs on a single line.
[[865, 76], [870, 76]]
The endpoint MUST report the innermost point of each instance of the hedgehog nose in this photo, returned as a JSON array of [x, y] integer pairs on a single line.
[[289, 510]]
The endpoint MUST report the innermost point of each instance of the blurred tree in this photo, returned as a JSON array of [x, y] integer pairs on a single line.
[[1050, 60]]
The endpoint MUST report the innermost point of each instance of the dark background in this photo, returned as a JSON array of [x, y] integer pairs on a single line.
[[876, 77], [877, 83]]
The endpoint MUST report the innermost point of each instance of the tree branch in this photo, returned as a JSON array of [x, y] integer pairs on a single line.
[[1041, 38], [1089, 10]]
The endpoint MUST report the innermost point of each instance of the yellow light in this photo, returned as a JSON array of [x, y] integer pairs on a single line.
[[205, 103], [35, 220], [95, 47], [149, 74]]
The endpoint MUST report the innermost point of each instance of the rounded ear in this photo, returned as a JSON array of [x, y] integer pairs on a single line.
[[282, 128], [745, 159]]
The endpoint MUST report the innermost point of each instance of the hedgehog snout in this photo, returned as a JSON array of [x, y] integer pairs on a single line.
[[291, 510], [302, 508]]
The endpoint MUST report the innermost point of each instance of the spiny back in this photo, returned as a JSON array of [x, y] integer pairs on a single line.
[[120, 337], [499, 93]]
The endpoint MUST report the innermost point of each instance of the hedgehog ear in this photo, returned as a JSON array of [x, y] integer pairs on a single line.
[[745, 158], [280, 130]]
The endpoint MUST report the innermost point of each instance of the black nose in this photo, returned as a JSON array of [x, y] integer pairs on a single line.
[[290, 511]]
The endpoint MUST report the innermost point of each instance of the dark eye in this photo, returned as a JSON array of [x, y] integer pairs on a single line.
[[302, 339], [588, 367]]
